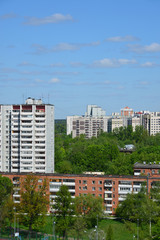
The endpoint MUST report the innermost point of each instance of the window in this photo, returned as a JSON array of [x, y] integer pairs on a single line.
[[100, 189], [85, 188], [79, 181], [100, 195], [93, 182], [84, 181], [93, 188], [79, 188], [99, 182], [40, 180]]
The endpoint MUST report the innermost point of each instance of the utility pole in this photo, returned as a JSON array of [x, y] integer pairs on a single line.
[[137, 229], [150, 227], [97, 229], [54, 229]]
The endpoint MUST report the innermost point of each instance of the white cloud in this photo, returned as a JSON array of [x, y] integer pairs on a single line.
[[112, 63], [152, 48], [127, 38], [149, 64], [72, 46], [54, 65], [55, 18], [26, 64], [39, 49], [144, 83], [7, 16], [77, 64], [54, 80], [39, 80]]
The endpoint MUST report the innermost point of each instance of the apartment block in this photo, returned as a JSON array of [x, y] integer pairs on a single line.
[[151, 122], [90, 126], [27, 137], [112, 189], [115, 122]]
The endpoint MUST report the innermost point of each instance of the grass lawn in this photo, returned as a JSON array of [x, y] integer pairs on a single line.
[[120, 231]]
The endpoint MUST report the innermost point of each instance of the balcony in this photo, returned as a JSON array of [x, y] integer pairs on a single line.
[[69, 183], [108, 212], [108, 191]]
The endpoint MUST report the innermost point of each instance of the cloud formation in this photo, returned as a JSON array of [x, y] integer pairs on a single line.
[[8, 16], [112, 63], [149, 64], [39, 49], [54, 80], [55, 18], [26, 64], [127, 38], [152, 48]]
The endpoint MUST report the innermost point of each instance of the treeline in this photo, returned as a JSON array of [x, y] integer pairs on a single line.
[[102, 153], [143, 209]]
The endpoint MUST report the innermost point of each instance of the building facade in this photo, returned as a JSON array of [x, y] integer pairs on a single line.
[[112, 189], [89, 126], [27, 137], [151, 122]]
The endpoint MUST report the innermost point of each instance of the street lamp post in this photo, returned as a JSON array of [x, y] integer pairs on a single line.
[[54, 229]]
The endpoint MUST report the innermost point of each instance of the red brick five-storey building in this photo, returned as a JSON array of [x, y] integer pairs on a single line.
[[113, 189]]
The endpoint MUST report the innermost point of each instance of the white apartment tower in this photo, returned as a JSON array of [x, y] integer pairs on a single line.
[[91, 125], [27, 137]]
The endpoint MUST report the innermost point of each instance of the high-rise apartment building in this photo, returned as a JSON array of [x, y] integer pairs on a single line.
[[27, 137], [151, 122], [90, 125]]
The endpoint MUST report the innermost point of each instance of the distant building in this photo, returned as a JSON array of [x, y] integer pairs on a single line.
[[27, 137], [127, 112], [151, 122], [91, 125], [134, 122], [115, 122], [94, 111]]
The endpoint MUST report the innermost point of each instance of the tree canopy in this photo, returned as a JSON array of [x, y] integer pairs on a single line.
[[6, 203], [64, 210], [34, 202], [78, 155]]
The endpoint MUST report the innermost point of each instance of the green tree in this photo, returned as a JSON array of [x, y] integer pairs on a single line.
[[64, 210], [109, 233], [6, 188], [89, 207], [34, 203], [79, 226]]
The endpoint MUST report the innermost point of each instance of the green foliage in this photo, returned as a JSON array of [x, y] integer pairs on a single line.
[[90, 208], [6, 203], [64, 210], [60, 126], [144, 210], [79, 155], [79, 226], [109, 233], [33, 205]]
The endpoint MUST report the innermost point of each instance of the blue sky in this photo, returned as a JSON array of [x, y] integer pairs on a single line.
[[74, 53]]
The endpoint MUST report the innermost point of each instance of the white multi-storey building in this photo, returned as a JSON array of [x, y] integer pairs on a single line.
[[151, 122], [90, 125], [27, 137]]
